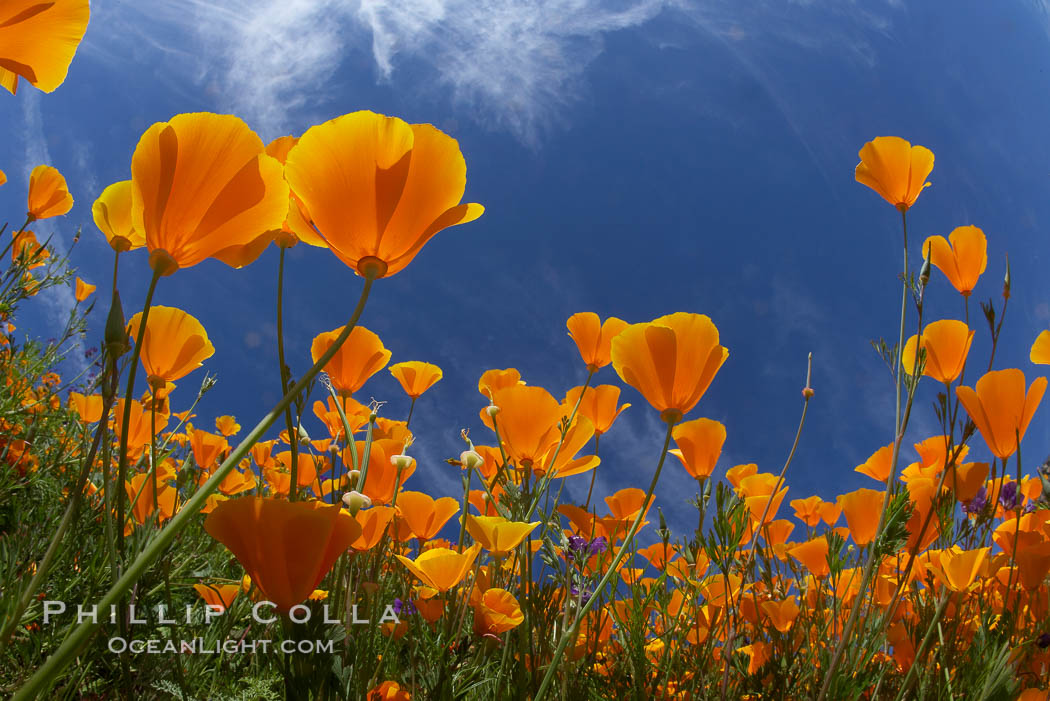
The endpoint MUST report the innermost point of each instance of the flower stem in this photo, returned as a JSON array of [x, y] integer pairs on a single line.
[[571, 633]]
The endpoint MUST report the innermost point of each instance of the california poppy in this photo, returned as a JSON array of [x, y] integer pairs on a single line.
[[862, 508], [699, 444], [374, 522], [1041, 349], [442, 568], [670, 360], [89, 407], [362, 356], [528, 422], [142, 485], [415, 377], [1001, 408], [962, 258], [895, 169], [205, 188], [83, 290], [174, 344], [377, 188], [594, 338], [424, 515], [48, 193], [879, 465], [598, 405], [219, 596], [496, 612], [498, 535], [492, 380], [947, 343], [286, 547], [38, 41], [814, 555], [27, 249], [112, 215], [960, 566]]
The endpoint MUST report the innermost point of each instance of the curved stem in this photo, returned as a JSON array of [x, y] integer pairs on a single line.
[[52, 668], [571, 633], [293, 434], [122, 465], [898, 437]]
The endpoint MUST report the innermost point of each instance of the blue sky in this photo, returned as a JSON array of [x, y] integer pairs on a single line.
[[635, 159]]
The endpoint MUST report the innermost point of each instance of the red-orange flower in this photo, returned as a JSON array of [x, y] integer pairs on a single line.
[[112, 215], [205, 188], [377, 188], [962, 260], [48, 194], [38, 41], [947, 343], [670, 360], [415, 377], [594, 338], [173, 345], [699, 445], [895, 169], [1001, 408], [362, 356], [286, 547], [598, 405]]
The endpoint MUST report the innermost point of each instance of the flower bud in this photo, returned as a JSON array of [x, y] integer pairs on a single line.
[[807, 392], [471, 460], [353, 476], [304, 437], [116, 336], [401, 462], [492, 410], [1006, 280], [355, 501]]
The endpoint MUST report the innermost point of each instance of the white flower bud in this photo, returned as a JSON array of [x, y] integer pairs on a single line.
[[355, 501], [353, 476], [401, 462], [492, 410], [471, 460]]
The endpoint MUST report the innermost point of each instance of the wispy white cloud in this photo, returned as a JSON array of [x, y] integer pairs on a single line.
[[513, 65]]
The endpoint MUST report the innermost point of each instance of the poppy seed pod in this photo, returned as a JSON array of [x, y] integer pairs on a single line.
[[116, 337]]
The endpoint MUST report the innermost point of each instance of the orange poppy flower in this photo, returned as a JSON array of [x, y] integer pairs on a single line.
[[27, 249], [498, 535], [960, 567], [112, 215], [895, 169], [814, 555], [670, 360], [382, 475], [492, 380], [388, 691], [3, 175], [89, 407], [296, 226], [862, 508], [307, 467], [735, 474], [963, 259], [442, 568], [566, 464], [1033, 563], [207, 448], [966, 480], [496, 612], [139, 430], [174, 344], [362, 356], [699, 444], [1001, 408], [286, 547], [947, 343], [757, 491], [218, 596], [807, 510], [625, 504], [424, 515], [227, 425], [38, 41], [83, 290], [377, 189], [878, 466], [374, 522], [416, 377], [528, 422], [782, 614], [328, 413], [594, 338], [205, 188], [659, 554], [598, 405], [143, 508], [236, 481], [1040, 354], [48, 193]]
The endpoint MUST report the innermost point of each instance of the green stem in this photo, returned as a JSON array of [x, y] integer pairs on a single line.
[[572, 632], [293, 434], [122, 465], [60, 659]]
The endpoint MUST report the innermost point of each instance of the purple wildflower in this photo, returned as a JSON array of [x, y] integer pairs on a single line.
[[977, 504], [598, 545], [1009, 499], [407, 606]]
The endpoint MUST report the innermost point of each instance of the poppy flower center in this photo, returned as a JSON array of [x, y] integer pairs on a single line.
[[162, 262], [371, 267]]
